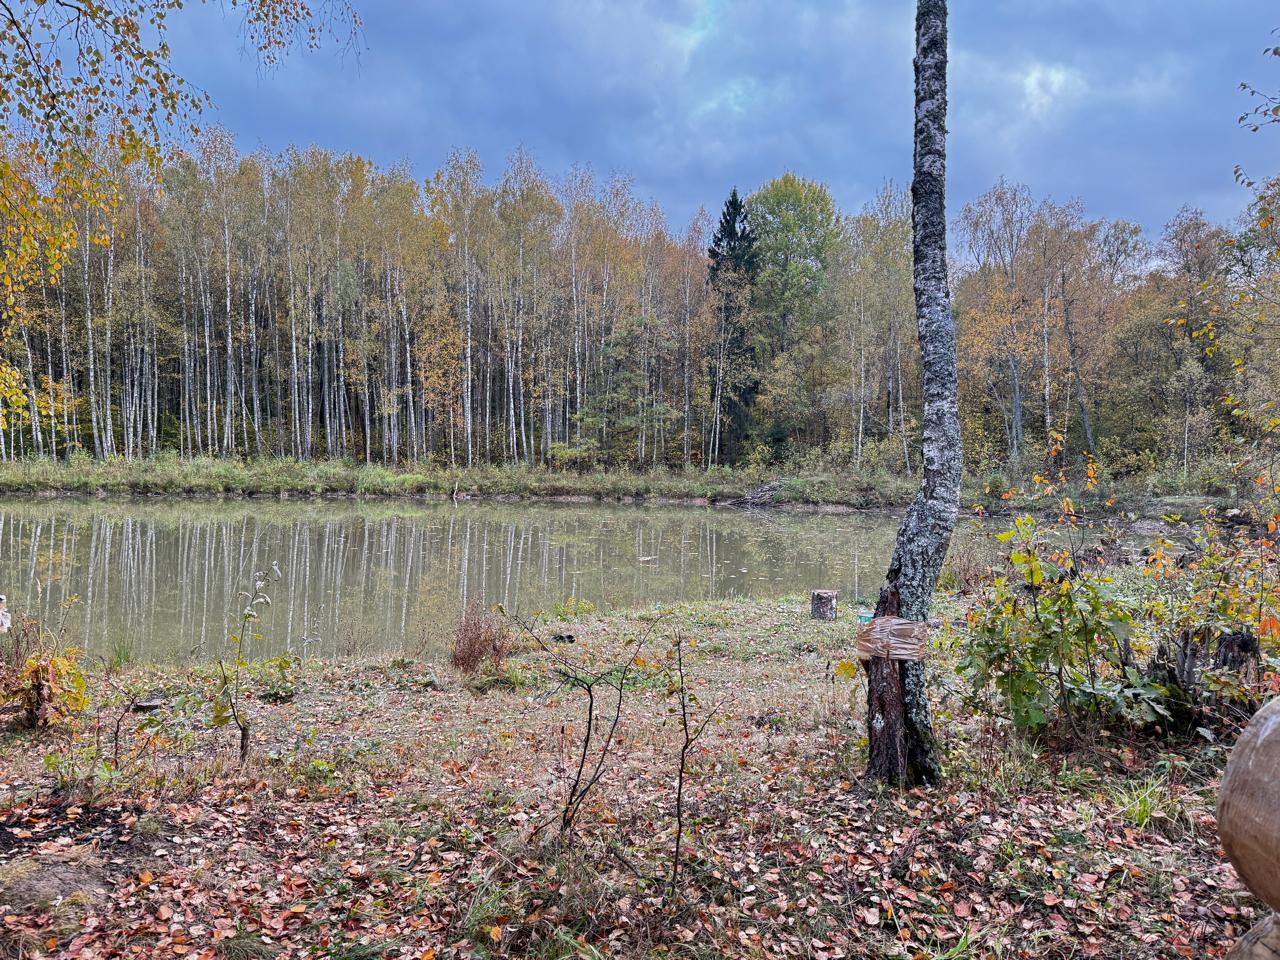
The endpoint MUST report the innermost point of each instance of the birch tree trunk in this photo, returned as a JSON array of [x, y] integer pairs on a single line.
[[1015, 405], [228, 438], [1073, 358], [33, 401], [108, 428], [1046, 372], [900, 728], [90, 349]]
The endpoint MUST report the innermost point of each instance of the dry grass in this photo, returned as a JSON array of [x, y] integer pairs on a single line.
[[481, 637]]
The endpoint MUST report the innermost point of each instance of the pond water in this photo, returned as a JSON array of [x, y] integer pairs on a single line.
[[161, 581]]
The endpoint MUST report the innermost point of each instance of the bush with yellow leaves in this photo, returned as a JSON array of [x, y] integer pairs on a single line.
[[41, 674]]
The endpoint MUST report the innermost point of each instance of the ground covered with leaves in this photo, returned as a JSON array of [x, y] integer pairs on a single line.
[[403, 808]]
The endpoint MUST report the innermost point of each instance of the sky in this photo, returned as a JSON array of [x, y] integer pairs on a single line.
[[1129, 105]]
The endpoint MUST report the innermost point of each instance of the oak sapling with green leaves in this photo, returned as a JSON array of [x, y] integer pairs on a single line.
[[1051, 639]]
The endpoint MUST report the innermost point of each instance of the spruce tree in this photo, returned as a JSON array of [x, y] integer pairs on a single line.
[[731, 275], [733, 247]]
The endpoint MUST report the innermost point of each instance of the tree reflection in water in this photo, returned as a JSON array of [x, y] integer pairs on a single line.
[[160, 581]]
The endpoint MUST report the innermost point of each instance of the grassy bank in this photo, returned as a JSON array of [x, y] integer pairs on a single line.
[[400, 808], [804, 485], [214, 477]]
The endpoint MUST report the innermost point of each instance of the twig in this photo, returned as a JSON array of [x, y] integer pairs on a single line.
[[691, 736], [577, 677]]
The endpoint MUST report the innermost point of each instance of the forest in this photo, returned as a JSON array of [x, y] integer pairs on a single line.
[[313, 305]]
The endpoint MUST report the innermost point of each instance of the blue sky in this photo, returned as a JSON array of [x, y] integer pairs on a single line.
[[1130, 105]]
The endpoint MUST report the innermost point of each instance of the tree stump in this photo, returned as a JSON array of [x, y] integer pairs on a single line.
[[1249, 824], [822, 604], [1260, 943]]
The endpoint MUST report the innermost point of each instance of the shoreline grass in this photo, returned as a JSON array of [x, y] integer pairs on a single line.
[[805, 486], [205, 476]]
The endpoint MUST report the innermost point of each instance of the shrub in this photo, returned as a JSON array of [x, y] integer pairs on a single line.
[[967, 565], [41, 674], [277, 679], [1052, 641], [481, 637], [573, 608], [1218, 608], [564, 456]]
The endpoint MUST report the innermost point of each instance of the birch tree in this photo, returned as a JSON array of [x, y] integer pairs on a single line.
[[899, 725]]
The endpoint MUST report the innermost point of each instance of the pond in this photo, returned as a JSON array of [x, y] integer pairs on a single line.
[[162, 581]]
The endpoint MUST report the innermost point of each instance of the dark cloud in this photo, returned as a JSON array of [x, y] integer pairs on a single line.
[[1129, 104]]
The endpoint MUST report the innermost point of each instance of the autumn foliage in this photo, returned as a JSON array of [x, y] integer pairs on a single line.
[[40, 674]]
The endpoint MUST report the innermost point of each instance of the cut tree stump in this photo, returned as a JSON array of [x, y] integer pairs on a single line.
[[1260, 943], [822, 604], [1249, 825]]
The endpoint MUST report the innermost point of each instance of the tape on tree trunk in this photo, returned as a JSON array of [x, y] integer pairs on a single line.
[[892, 637]]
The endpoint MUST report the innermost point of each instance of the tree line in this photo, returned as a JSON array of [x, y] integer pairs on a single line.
[[314, 305]]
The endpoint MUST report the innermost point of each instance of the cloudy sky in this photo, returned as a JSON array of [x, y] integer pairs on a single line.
[[1130, 105]]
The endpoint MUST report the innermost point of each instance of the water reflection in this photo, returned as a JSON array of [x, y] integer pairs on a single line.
[[162, 581]]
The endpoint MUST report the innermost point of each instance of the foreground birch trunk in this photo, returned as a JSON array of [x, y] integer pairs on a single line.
[[900, 728]]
